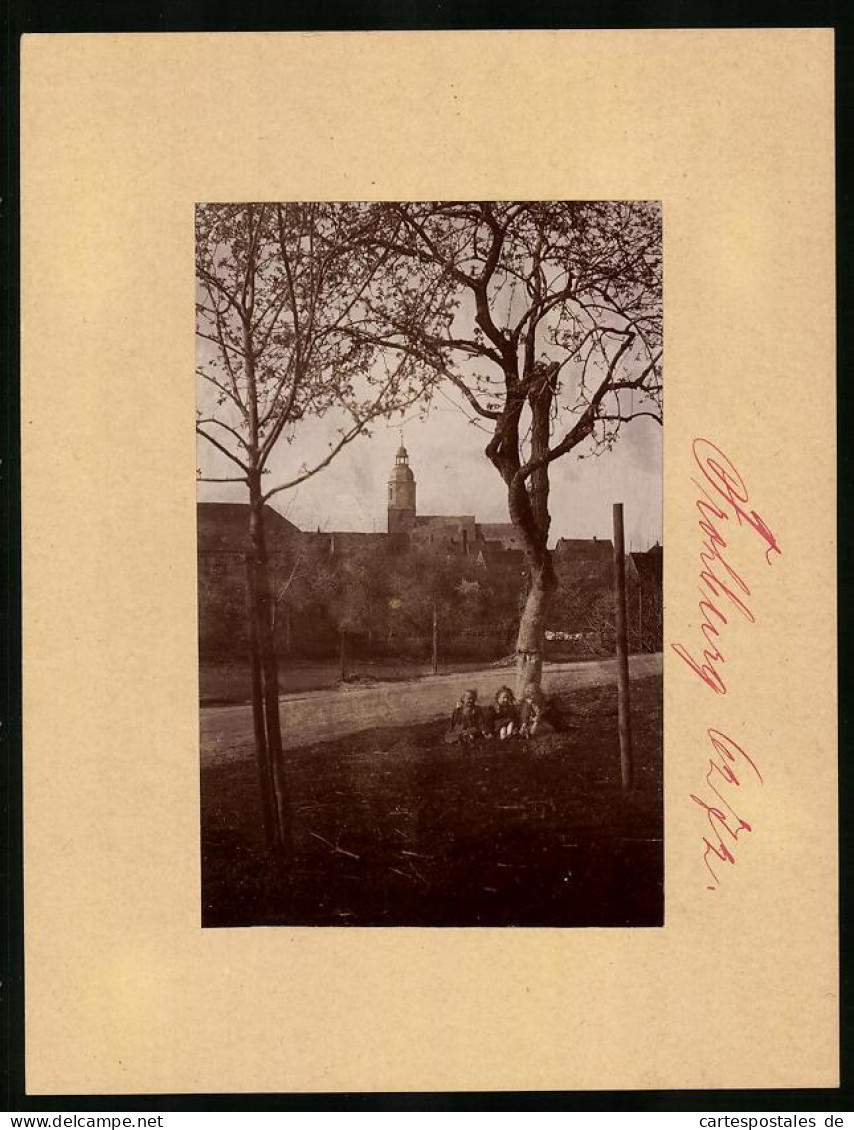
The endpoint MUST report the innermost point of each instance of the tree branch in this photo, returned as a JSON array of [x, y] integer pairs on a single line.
[[346, 438], [632, 416], [225, 427], [230, 455], [214, 282], [489, 413], [584, 425]]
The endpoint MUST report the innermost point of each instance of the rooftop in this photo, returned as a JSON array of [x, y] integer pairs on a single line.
[[225, 525]]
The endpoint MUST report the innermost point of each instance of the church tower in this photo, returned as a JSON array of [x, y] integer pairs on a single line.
[[401, 494]]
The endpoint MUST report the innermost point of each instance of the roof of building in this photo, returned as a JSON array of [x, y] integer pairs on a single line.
[[494, 554], [578, 548], [499, 531], [584, 567], [338, 543], [444, 520], [649, 566], [224, 526]]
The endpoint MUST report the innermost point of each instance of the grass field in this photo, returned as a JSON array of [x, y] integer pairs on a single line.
[[391, 827]]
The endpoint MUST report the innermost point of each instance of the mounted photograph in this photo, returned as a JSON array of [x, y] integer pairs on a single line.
[[430, 563]]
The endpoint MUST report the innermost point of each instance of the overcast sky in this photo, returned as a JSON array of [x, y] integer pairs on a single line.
[[446, 453], [454, 477]]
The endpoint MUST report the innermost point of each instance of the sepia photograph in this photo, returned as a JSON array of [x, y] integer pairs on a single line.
[[430, 563]]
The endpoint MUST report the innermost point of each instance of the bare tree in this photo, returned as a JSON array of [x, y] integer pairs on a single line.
[[554, 343], [277, 287]]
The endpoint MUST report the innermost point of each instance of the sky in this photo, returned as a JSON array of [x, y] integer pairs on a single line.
[[446, 453], [454, 476]]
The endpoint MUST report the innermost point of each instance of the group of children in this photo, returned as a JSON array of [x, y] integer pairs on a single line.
[[505, 718]]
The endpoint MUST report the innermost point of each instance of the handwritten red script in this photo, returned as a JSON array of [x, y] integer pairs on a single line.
[[722, 817], [723, 592], [722, 589]]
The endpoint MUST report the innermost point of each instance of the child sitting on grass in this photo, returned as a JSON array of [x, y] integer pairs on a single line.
[[538, 715], [467, 721], [505, 714]]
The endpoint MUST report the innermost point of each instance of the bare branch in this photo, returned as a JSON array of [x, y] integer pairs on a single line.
[[584, 425], [226, 427], [225, 345], [224, 389], [634, 416], [489, 413], [358, 427], [215, 443], [219, 286]]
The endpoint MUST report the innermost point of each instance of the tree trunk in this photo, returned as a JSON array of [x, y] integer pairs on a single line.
[[261, 614], [624, 712], [266, 786], [263, 625], [342, 655], [530, 642], [529, 512]]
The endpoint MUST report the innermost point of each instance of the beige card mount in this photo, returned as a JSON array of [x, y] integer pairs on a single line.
[[122, 135]]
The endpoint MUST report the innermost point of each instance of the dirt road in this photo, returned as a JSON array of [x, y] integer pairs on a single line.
[[226, 731]]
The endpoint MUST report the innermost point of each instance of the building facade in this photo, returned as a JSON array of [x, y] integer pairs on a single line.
[[445, 534]]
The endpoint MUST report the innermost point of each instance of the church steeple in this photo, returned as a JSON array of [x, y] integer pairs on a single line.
[[401, 494]]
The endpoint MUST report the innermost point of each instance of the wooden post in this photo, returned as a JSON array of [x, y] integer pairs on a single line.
[[623, 699], [435, 662]]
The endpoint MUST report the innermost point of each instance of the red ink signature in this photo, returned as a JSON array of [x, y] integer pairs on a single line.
[[720, 584], [722, 817]]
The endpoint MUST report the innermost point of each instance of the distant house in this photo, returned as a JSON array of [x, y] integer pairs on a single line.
[[646, 569], [583, 567], [222, 546], [583, 607], [345, 544], [493, 555], [444, 533], [447, 534], [645, 591], [223, 527], [584, 549], [584, 570], [493, 549], [503, 534], [584, 564]]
